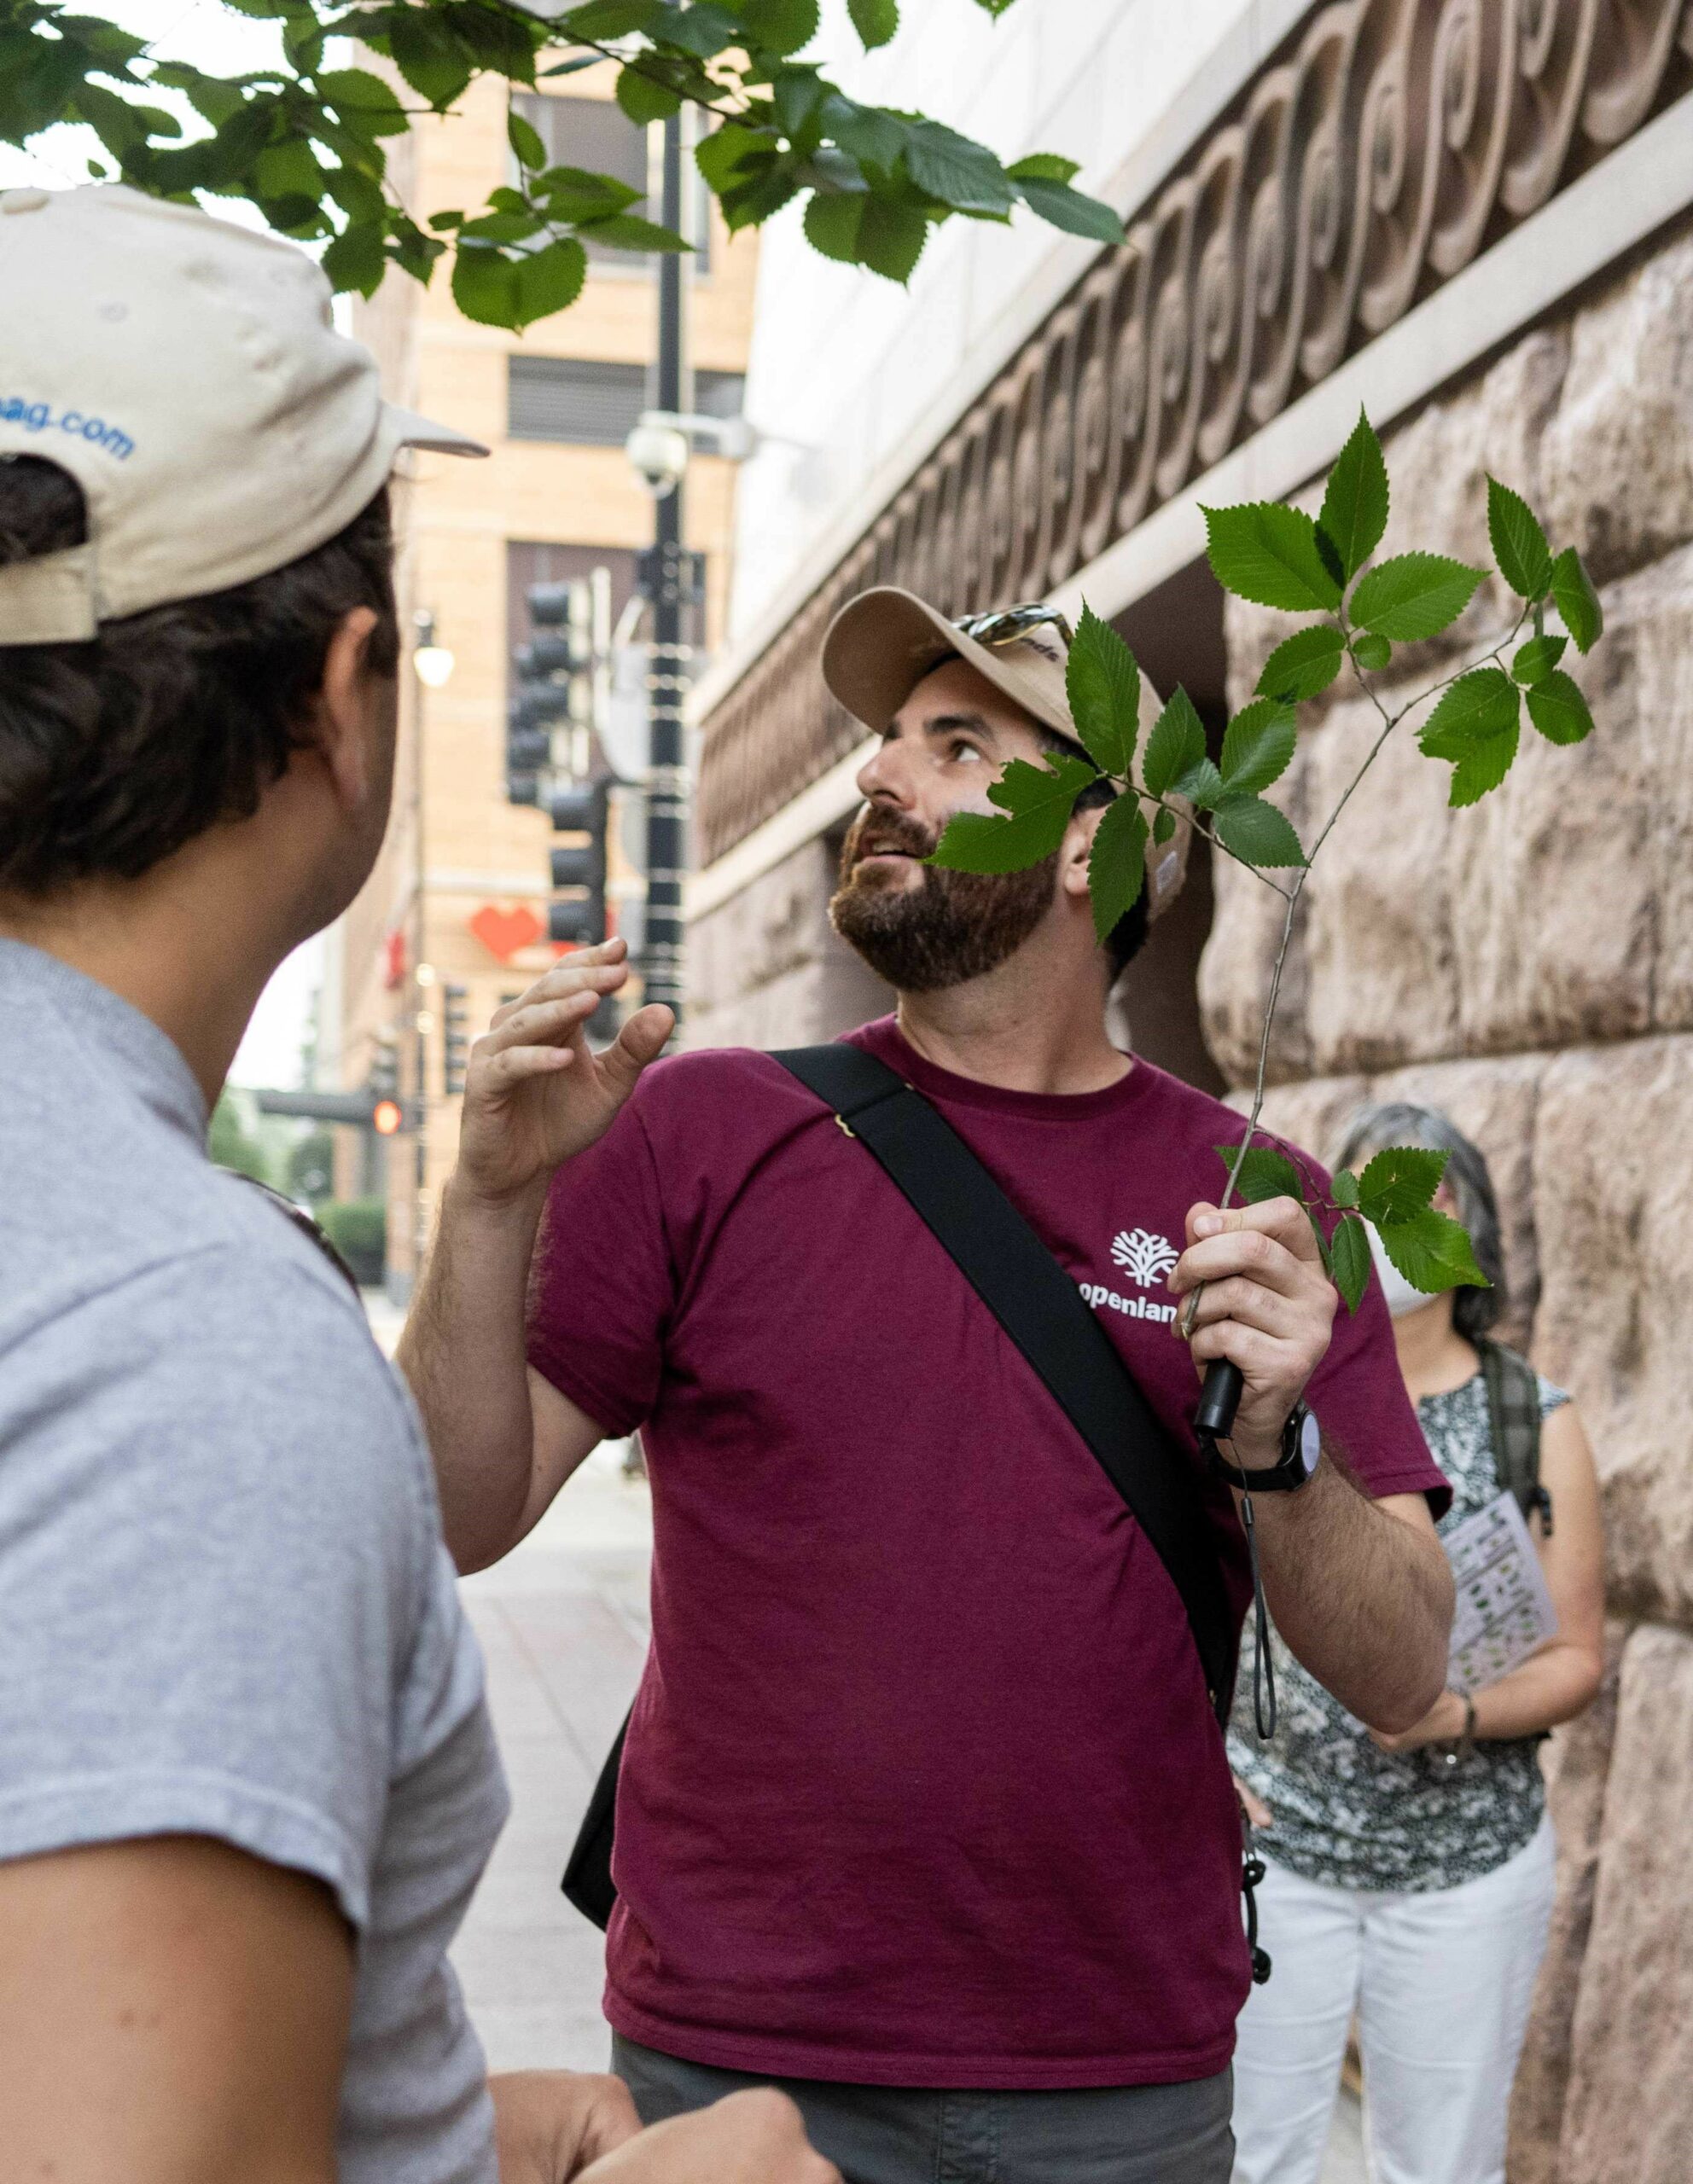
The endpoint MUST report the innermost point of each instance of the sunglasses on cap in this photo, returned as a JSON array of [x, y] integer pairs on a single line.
[[1005, 625]]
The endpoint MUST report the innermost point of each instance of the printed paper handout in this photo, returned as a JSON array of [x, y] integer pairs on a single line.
[[1504, 1611]]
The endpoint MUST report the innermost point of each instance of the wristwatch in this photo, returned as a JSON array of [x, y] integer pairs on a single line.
[[1301, 1448]]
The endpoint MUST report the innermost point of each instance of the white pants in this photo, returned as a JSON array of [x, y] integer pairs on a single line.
[[1441, 1984]]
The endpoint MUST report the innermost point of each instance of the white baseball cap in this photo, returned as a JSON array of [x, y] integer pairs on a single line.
[[188, 376]]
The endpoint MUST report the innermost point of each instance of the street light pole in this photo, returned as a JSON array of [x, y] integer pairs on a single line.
[[668, 678]]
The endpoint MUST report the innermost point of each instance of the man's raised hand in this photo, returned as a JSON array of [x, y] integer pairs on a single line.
[[1267, 1306], [535, 1093]]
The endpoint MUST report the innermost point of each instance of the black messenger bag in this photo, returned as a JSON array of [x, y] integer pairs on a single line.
[[1044, 1312]]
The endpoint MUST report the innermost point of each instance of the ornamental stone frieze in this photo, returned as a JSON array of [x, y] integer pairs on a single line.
[[1380, 151]]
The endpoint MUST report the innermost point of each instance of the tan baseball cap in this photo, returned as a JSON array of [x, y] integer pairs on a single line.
[[881, 644], [187, 374]]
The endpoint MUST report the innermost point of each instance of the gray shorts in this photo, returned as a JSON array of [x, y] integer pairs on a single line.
[[901, 2134]]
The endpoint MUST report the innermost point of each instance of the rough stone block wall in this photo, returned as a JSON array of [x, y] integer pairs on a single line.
[[1528, 966]]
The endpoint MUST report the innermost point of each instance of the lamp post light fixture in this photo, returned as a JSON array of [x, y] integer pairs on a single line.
[[432, 663]]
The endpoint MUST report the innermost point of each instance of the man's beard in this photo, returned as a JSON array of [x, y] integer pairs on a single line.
[[954, 927]]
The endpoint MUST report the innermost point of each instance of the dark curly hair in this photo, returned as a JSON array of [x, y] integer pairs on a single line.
[[115, 751]]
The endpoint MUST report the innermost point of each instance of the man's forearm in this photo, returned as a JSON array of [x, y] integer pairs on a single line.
[[1364, 1600], [462, 1352]]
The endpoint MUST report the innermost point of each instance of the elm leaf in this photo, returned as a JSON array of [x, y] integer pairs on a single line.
[[1116, 865], [1037, 800], [1413, 597], [1371, 652], [1535, 661], [1304, 665], [1558, 709], [1175, 746], [1519, 544], [1102, 679], [1401, 1180], [1269, 554], [1258, 746], [1354, 511], [1432, 1252], [1349, 1259], [1576, 600], [1257, 833], [1264, 1173]]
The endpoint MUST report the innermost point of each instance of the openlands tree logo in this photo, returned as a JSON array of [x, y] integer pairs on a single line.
[[1144, 1257]]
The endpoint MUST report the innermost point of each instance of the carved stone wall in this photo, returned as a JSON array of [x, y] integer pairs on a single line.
[[1528, 966], [1385, 146]]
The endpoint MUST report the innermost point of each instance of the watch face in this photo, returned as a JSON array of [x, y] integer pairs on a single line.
[[1310, 1443]]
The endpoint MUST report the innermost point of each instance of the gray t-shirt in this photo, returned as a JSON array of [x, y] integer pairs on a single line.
[[224, 1606]]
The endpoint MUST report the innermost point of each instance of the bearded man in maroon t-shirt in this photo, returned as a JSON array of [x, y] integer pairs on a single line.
[[924, 1812]]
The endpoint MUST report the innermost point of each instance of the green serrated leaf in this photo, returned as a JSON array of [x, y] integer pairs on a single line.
[[355, 260], [1175, 746], [1343, 1187], [954, 171], [1322, 1242], [1558, 709], [429, 57], [832, 222], [1044, 167], [1354, 511], [1116, 864], [1413, 597], [891, 238], [1163, 826], [875, 20], [1069, 209], [1038, 801], [1103, 682], [1262, 1173], [1432, 1252], [780, 26], [1258, 745], [1202, 785], [1519, 544], [1535, 661], [485, 285], [624, 231], [703, 31], [1475, 725], [1349, 1259], [1401, 1180], [611, 19], [549, 280], [1256, 832], [1304, 665], [643, 99], [1269, 554], [1576, 600], [525, 140], [1372, 651], [357, 95]]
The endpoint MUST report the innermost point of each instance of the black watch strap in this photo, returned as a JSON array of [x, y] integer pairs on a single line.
[[1301, 1445]]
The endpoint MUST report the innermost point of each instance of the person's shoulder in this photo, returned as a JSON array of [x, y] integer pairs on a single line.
[[717, 1082]]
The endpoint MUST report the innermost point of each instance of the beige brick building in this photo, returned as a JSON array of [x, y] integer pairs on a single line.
[[463, 872]]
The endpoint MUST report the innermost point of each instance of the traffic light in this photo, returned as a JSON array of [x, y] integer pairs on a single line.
[[388, 1117], [455, 1037], [383, 1081], [552, 687], [581, 917]]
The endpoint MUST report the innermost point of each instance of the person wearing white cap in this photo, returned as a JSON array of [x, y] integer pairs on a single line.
[[248, 1780], [924, 1812]]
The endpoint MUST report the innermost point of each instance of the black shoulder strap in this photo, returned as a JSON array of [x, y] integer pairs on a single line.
[[1043, 1311], [1513, 1410]]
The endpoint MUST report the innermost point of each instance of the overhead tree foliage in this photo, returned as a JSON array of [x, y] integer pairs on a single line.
[[1279, 556], [306, 141]]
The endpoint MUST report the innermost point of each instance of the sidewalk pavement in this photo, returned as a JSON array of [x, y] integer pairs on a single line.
[[563, 1624]]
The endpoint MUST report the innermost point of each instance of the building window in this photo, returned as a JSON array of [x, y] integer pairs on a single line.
[[598, 134], [594, 404]]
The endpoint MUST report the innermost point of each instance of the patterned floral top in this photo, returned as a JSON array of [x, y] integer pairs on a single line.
[[1355, 1816]]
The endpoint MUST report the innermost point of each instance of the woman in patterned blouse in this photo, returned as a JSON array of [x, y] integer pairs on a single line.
[[1410, 1877]]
